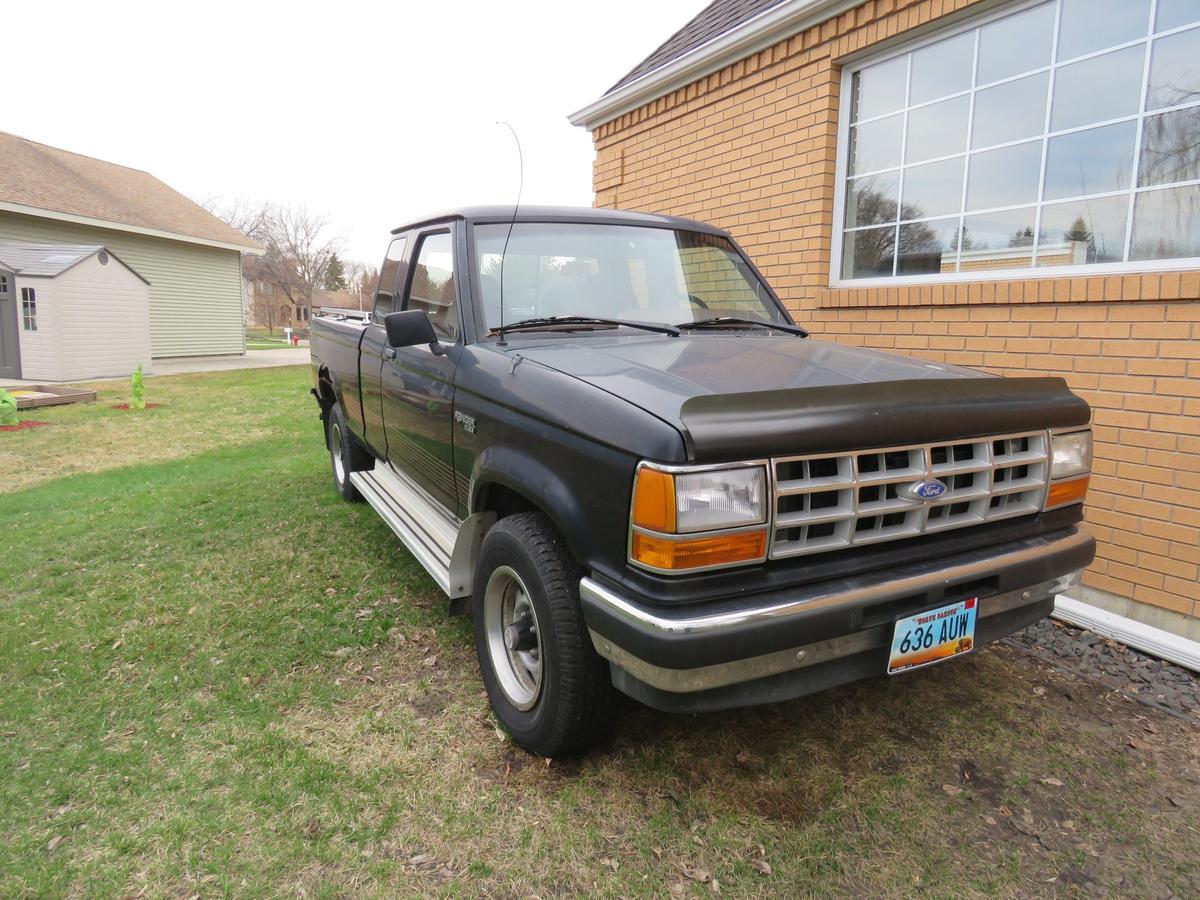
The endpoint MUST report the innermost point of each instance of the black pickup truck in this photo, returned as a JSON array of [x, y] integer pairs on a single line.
[[605, 438]]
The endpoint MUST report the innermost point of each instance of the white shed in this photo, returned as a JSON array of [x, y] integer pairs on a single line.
[[79, 311]]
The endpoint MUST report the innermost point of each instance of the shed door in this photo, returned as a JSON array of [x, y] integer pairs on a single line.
[[10, 363]]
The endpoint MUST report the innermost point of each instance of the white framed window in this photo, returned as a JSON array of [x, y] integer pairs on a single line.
[[29, 309], [1061, 136]]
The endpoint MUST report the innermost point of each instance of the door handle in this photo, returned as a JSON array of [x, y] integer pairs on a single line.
[[389, 353]]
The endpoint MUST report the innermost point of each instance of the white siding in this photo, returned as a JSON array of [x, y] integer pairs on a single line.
[[103, 320], [195, 291], [39, 349]]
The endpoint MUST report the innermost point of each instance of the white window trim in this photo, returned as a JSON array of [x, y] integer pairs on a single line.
[[941, 32]]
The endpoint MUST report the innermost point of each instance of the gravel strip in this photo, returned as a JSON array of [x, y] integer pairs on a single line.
[[1100, 659]]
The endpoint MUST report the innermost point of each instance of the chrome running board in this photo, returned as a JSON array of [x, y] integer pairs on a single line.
[[445, 547]]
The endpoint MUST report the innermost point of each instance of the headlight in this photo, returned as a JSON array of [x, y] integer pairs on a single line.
[[672, 508], [705, 500], [1070, 454], [722, 498], [1070, 464]]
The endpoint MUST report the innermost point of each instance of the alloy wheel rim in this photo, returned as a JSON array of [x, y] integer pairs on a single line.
[[514, 641], [335, 451]]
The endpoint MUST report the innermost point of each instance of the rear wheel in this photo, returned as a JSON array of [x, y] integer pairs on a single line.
[[547, 685], [342, 456]]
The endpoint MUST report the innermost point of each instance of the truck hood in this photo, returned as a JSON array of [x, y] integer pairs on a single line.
[[737, 395], [660, 373]]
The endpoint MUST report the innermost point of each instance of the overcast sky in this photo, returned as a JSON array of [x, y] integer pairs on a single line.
[[374, 112]]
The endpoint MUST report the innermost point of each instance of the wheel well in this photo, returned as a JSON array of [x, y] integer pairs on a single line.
[[503, 501], [325, 393]]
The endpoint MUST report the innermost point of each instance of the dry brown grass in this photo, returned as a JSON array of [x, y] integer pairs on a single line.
[[196, 413]]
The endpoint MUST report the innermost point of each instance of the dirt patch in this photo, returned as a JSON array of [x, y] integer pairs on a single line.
[[1009, 767], [127, 406]]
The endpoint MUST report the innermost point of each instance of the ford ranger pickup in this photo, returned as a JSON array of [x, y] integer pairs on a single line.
[[605, 438]]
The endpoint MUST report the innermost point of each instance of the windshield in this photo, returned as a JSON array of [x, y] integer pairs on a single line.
[[623, 272]]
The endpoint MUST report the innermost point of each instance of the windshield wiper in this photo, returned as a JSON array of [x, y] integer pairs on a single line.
[[726, 321], [551, 321]]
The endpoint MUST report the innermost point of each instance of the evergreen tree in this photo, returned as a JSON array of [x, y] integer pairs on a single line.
[[335, 275], [1081, 233]]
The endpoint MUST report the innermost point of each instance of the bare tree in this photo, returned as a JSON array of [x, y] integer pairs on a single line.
[[248, 216], [298, 251], [265, 310], [304, 250], [361, 282]]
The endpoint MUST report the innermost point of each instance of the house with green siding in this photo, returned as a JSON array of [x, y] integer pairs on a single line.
[[191, 259]]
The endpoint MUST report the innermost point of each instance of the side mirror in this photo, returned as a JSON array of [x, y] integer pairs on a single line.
[[410, 328]]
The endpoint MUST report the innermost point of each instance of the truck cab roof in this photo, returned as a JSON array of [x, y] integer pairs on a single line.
[[494, 214]]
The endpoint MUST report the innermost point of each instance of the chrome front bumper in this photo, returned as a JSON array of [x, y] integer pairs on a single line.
[[682, 651]]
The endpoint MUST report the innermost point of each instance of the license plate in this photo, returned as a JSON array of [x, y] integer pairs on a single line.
[[932, 636]]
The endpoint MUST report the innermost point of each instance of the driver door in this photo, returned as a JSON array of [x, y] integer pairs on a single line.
[[418, 384]]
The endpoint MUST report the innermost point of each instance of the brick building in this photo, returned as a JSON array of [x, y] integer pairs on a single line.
[[1013, 186]]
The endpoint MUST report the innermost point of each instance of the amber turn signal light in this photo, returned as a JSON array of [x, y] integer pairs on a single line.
[[654, 500], [1064, 492], [722, 549]]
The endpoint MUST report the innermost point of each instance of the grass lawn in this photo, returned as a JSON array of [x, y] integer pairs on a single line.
[[255, 344], [260, 339], [220, 680]]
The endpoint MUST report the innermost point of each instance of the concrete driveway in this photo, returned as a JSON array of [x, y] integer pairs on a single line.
[[183, 365], [253, 359]]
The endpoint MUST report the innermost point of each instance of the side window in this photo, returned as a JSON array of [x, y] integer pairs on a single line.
[[387, 278], [29, 309], [432, 285]]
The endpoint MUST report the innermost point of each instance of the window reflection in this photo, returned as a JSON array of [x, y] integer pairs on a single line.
[[1001, 240], [1171, 147], [1090, 162], [876, 145], [1083, 231], [869, 253], [871, 200], [948, 158], [878, 89], [1097, 89], [1175, 70], [933, 189], [926, 247], [1004, 177], [942, 69], [1174, 13], [1166, 224], [1089, 25], [937, 130], [1015, 44], [1010, 111]]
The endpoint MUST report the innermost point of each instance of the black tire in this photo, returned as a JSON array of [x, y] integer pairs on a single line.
[[345, 455], [572, 708]]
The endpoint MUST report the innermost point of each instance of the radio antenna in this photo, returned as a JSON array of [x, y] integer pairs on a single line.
[[512, 222]]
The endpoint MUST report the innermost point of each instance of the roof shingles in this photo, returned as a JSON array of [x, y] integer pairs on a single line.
[[47, 178], [714, 20]]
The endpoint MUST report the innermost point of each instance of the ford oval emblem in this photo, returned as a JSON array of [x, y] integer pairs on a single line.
[[924, 490]]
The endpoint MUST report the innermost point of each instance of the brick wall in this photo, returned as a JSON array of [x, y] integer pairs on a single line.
[[753, 148]]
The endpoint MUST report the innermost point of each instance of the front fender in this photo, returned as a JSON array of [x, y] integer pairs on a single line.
[[548, 490]]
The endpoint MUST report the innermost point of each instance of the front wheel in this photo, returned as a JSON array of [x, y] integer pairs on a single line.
[[546, 683]]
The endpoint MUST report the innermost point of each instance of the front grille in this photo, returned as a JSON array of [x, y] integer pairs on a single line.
[[831, 501]]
